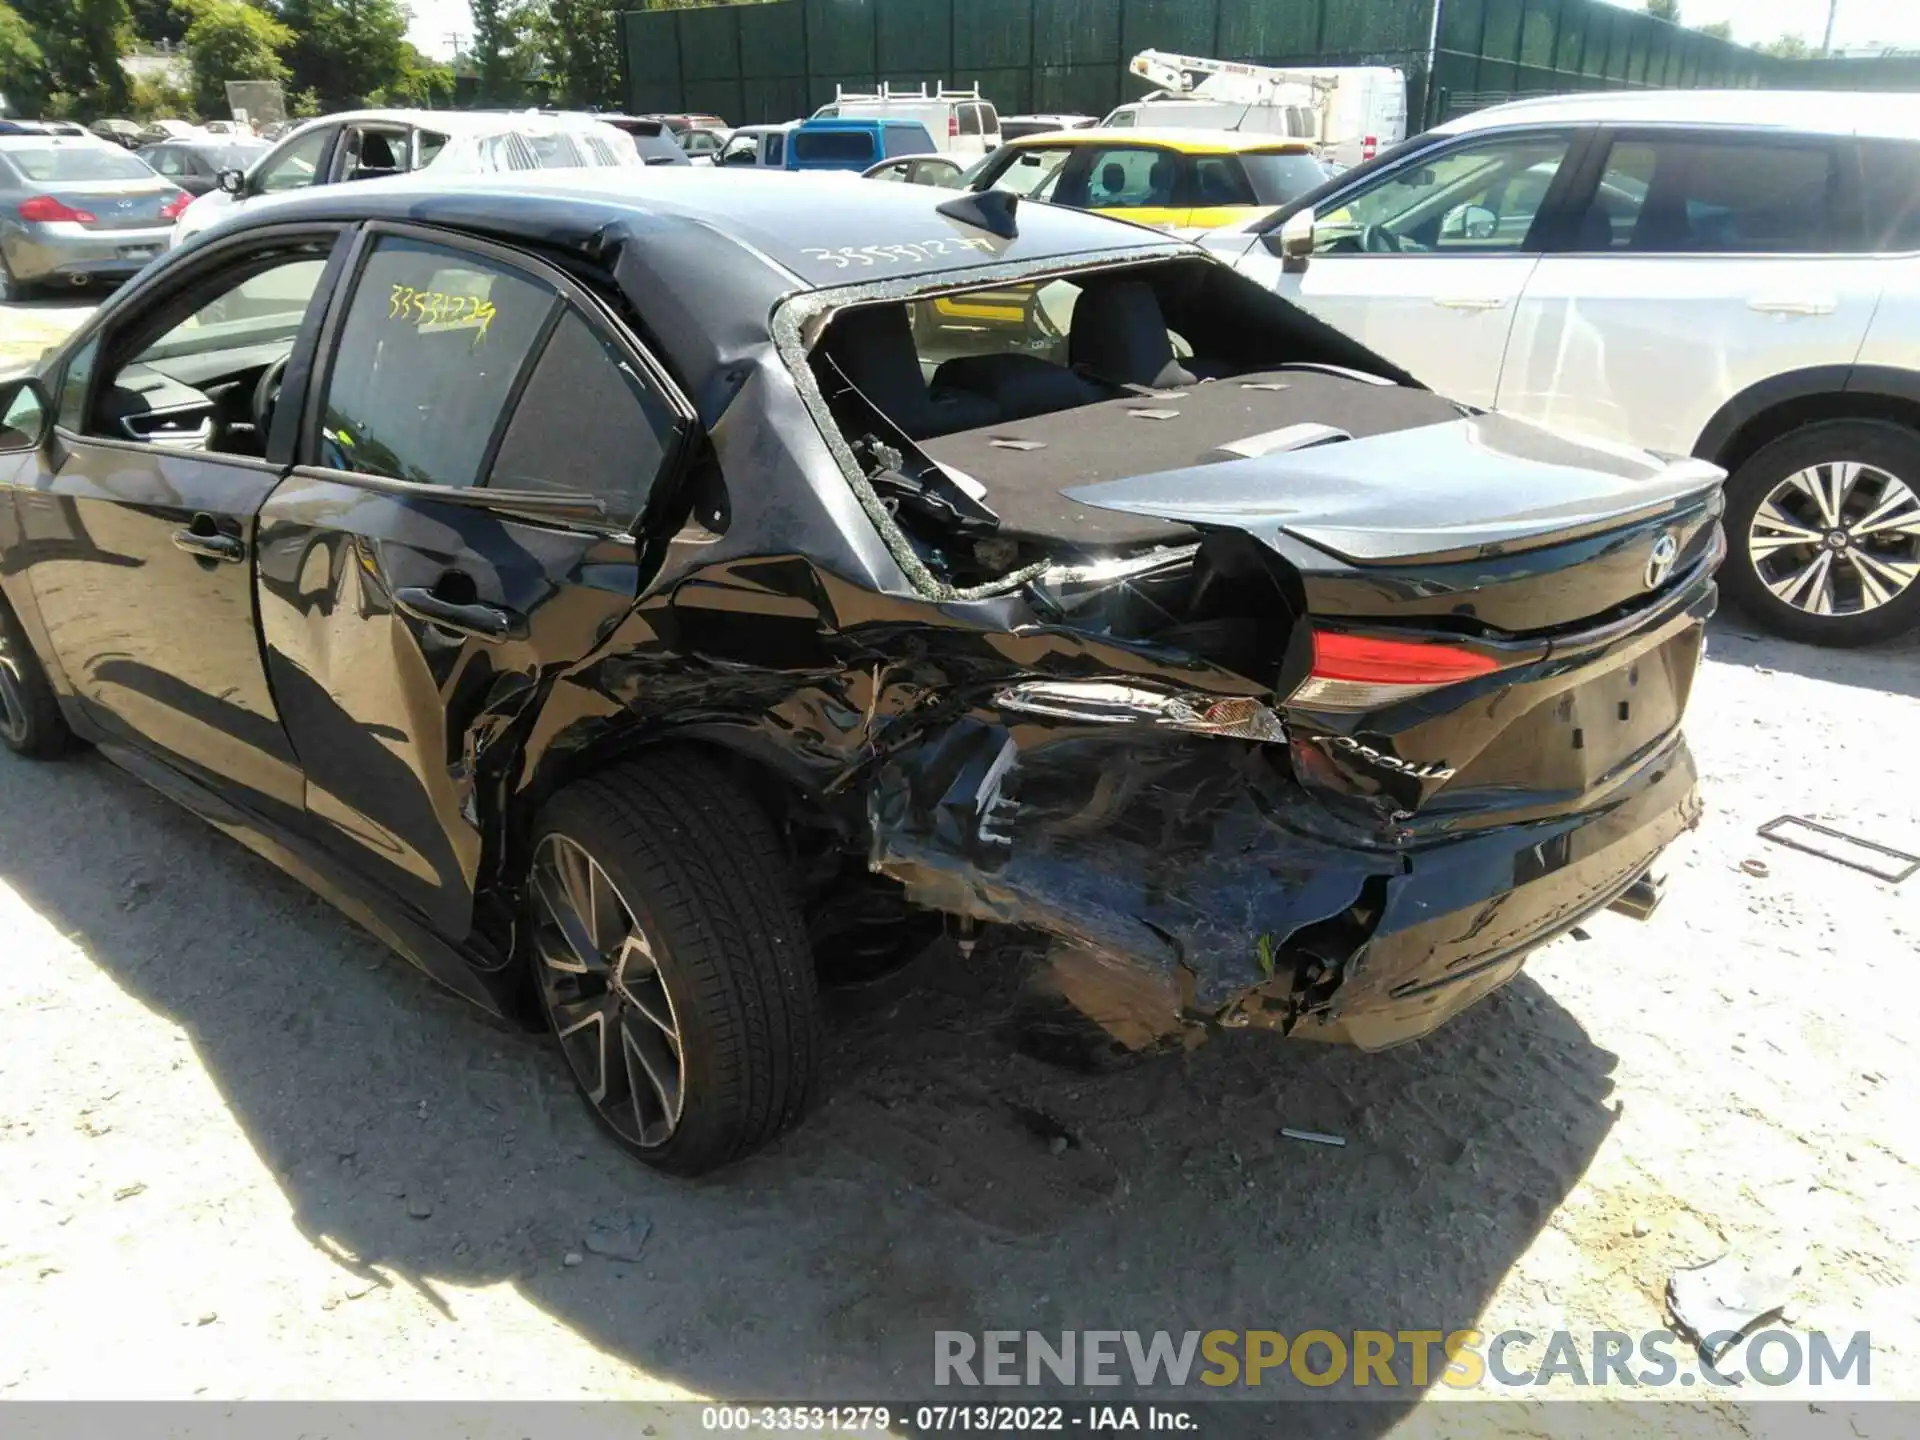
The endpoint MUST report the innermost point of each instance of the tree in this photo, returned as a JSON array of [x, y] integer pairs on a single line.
[[346, 50], [504, 49], [581, 42], [423, 84], [231, 40], [1787, 47], [158, 22], [1719, 30], [81, 42], [1668, 10], [23, 69]]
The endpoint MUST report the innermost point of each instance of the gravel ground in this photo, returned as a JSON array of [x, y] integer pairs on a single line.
[[28, 328], [248, 1153], [245, 1152]]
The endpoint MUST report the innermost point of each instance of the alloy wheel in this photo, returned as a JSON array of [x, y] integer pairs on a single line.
[[1837, 539], [13, 695], [600, 977]]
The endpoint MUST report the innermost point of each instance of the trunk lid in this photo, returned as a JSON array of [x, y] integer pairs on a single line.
[[116, 205], [1476, 488]]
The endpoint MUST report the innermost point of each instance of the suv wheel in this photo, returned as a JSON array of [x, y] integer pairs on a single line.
[[30, 718], [671, 959], [1824, 528]]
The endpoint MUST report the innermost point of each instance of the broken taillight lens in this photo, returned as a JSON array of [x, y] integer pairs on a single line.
[[1365, 672]]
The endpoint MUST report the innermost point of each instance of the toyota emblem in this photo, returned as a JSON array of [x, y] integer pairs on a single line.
[[1666, 550]]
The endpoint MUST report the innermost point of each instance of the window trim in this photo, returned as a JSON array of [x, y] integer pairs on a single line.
[[322, 164], [581, 509], [154, 292], [1848, 217], [1549, 221]]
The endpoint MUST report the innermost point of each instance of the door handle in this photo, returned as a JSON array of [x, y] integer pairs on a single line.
[[203, 540], [492, 623], [1792, 305], [1470, 302]]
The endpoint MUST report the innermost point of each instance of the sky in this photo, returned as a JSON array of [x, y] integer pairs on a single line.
[[1860, 22]]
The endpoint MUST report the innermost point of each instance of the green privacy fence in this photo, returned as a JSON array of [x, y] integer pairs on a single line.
[[777, 61]]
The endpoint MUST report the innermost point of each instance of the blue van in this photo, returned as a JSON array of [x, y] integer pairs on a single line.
[[854, 144]]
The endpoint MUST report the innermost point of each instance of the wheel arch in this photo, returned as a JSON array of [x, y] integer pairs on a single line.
[[1781, 404]]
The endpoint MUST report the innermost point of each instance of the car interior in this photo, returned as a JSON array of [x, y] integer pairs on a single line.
[[973, 412], [202, 372]]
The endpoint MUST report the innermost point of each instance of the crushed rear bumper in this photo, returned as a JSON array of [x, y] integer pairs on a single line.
[[1190, 882]]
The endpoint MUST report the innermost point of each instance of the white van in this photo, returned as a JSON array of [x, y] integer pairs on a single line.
[[960, 122], [1349, 112]]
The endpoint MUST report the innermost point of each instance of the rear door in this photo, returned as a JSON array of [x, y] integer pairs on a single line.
[[437, 559], [1696, 262], [1426, 261], [141, 529]]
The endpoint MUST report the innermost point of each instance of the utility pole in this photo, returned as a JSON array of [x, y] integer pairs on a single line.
[[1833, 10]]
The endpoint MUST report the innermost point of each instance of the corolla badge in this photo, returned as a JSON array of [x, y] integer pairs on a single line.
[[1666, 550], [1442, 771]]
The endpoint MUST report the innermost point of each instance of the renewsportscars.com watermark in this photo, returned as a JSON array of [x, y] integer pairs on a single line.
[[1383, 1360]]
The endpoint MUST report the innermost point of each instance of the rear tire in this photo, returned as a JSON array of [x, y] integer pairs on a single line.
[[1818, 548], [670, 956], [30, 720]]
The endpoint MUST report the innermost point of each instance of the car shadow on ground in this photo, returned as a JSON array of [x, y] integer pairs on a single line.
[[946, 1181], [1889, 668]]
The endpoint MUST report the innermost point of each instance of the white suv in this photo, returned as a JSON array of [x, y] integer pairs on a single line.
[[1729, 275]]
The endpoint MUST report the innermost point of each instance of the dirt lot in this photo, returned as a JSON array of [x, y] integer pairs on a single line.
[[246, 1152]]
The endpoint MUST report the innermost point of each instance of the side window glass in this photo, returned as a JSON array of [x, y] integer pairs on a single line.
[[1130, 178], [1033, 173], [1891, 169], [72, 414], [1480, 197], [1708, 196], [164, 161], [427, 145], [587, 421], [894, 172], [777, 149], [295, 167], [432, 342], [223, 346], [1220, 180]]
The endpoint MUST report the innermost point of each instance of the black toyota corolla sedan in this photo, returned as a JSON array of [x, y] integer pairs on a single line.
[[644, 600]]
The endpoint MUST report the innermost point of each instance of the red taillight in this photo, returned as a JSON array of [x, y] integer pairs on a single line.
[[953, 124], [45, 207], [1373, 661], [1364, 672], [175, 207], [1369, 147]]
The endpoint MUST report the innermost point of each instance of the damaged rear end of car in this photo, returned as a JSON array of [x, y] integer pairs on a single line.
[[1303, 698]]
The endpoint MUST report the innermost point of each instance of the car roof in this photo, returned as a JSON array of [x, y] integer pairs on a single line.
[[1825, 112], [860, 122], [744, 220], [464, 122], [709, 254], [1189, 142]]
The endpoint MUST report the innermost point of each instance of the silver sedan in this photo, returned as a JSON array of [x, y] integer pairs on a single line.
[[78, 210]]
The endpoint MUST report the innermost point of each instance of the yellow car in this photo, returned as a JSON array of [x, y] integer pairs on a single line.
[[1173, 179]]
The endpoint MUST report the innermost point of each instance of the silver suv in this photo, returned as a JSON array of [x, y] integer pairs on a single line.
[[1729, 275]]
